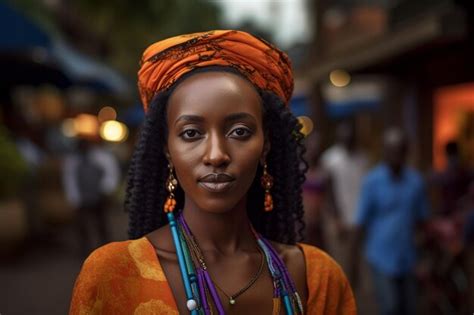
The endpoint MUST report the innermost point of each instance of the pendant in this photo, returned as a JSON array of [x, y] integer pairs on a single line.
[[231, 301]]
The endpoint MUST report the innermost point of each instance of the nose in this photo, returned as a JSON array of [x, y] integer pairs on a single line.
[[216, 154]]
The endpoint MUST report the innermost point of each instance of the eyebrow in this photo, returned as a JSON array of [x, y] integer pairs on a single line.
[[229, 118], [189, 118], [238, 116]]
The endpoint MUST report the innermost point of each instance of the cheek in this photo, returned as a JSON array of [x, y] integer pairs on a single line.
[[246, 158], [185, 157]]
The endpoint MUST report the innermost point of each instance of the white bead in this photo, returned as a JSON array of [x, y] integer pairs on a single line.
[[191, 304]]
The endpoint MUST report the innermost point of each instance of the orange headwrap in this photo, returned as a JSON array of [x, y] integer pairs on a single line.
[[166, 61]]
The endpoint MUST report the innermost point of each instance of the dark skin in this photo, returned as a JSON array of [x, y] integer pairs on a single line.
[[215, 124]]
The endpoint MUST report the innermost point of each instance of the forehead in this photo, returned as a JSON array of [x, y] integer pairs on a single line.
[[214, 95]]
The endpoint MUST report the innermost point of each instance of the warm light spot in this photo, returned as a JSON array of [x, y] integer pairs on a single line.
[[339, 78], [307, 125], [68, 128], [453, 111], [113, 131], [107, 113], [86, 125]]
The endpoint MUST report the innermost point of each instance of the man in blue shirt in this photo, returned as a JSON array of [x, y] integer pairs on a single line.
[[391, 205]]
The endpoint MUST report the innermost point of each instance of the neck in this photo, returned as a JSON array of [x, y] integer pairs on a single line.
[[396, 170], [225, 232]]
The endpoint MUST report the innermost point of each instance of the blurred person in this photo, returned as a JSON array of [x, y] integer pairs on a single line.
[[452, 182], [450, 189], [391, 206], [318, 197], [346, 165], [214, 192], [13, 172], [468, 245], [447, 257], [34, 157], [468, 204], [90, 176]]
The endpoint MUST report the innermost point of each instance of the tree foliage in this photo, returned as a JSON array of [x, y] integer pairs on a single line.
[[118, 31]]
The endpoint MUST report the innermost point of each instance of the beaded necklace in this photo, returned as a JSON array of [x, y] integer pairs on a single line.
[[197, 255], [200, 290]]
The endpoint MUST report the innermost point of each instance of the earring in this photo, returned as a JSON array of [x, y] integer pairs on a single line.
[[267, 183], [171, 184]]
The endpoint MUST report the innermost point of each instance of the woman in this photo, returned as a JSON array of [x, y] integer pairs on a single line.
[[217, 129]]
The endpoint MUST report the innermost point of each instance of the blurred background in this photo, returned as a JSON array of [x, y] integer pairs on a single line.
[[70, 113]]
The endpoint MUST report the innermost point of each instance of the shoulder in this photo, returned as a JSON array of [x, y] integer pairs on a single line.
[[324, 279], [329, 291], [287, 252], [376, 173], [293, 258], [319, 262], [303, 256], [121, 269], [415, 176], [108, 253], [115, 258]]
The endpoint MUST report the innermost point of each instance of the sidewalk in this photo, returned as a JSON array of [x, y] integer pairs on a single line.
[[40, 280]]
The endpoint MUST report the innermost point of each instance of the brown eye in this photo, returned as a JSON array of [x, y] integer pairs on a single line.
[[240, 133], [190, 134]]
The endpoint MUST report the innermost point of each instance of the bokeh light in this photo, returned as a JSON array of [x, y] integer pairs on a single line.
[[307, 125], [339, 78], [107, 113], [86, 125], [113, 131]]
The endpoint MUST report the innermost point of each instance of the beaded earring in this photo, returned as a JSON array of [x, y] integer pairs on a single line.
[[171, 184], [267, 183]]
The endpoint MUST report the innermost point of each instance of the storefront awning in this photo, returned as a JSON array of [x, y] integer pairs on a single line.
[[25, 47], [446, 25]]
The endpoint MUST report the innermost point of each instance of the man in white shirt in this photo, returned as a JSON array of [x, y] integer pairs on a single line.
[[346, 165], [90, 175]]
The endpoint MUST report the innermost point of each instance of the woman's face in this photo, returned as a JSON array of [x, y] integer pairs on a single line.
[[215, 139]]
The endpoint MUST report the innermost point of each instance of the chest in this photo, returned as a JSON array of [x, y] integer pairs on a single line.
[[392, 196], [230, 277]]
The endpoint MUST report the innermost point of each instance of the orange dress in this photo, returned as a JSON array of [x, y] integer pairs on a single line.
[[127, 278]]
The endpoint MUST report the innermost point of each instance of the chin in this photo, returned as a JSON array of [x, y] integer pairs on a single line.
[[217, 205]]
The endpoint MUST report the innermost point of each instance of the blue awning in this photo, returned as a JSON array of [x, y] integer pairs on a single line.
[[87, 71], [17, 32], [23, 41]]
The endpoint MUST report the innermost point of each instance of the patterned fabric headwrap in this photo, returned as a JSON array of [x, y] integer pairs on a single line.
[[164, 62]]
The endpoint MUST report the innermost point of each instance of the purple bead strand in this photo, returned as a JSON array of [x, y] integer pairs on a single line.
[[281, 265], [205, 274], [202, 291]]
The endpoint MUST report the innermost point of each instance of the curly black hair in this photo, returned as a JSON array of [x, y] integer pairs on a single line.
[[148, 171]]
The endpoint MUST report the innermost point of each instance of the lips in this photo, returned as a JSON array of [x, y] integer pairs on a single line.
[[217, 182]]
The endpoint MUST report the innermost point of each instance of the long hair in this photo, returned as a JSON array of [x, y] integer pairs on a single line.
[[148, 171]]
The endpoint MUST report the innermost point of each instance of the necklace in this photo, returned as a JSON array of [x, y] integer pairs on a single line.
[[197, 253], [232, 298], [201, 291]]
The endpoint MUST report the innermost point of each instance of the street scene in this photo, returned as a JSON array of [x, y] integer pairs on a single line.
[[383, 97]]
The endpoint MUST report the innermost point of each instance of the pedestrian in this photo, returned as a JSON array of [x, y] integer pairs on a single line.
[[318, 197], [452, 182], [391, 207], [90, 176], [346, 163]]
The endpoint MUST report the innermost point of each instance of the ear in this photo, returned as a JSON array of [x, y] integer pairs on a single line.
[[266, 149]]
